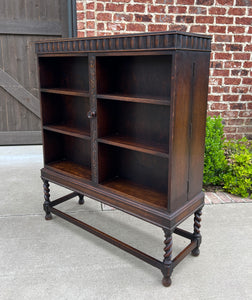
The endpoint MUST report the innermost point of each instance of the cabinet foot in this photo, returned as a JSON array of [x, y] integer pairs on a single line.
[[81, 199], [166, 281]]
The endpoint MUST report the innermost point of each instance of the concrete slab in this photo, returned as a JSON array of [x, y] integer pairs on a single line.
[[55, 260]]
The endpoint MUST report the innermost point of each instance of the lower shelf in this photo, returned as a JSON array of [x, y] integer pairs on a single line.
[[69, 167], [137, 192]]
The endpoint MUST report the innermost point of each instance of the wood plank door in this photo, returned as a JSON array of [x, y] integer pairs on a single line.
[[22, 22]]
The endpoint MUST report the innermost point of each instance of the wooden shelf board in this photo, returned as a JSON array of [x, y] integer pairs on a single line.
[[129, 98], [70, 168], [64, 91], [64, 129], [137, 192], [137, 145]]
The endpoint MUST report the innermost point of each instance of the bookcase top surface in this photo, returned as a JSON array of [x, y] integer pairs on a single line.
[[166, 40]]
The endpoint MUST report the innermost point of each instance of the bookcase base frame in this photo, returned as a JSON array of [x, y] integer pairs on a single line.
[[166, 266]]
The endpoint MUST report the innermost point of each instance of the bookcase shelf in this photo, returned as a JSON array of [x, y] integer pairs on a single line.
[[73, 131], [130, 98], [123, 122], [68, 92]]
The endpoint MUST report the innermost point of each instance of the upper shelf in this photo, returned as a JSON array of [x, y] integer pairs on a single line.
[[64, 91], [128, 98]]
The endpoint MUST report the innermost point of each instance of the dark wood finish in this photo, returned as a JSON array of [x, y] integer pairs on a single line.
[[123, 123]]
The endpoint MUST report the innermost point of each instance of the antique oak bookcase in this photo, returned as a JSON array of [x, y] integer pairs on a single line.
[[123, 122]]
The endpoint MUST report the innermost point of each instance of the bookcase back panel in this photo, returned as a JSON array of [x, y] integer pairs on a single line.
[[142, 76], [64, 72], [60, 147], [140, 168], [141, 122], [67, 110]]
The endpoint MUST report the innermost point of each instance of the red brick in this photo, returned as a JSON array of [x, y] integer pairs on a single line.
[[249, 122], [218, 106], [234, 47], [163, 18], [155, 27], [239, 72], [240, 89], [143, 18], [233, 136], [237, 106], [99, 7], [90, 25], [90, 33], [178, 27], [225, 2], [235, 122], [230, 98], [247, 80], [115, 26], [236, 29], [90, 5], [223, 55], [198, 29], [104, 17], [114, 7], [246, 98], [177, 9], [123, 17], [229, 114], [148, 1], [197, 10], [217, 11], [245, 114], [79, 6], [185, 2], [217, 29], [242, 39], [80, 25], [250, 108], [236, 11], [100, 26], [216, 64], [156, 8], [241, 56], [224, 20], [244, 2], [244, 21], [80, 34], [213, 98], [205, 19], [232, 64], [215, 81], [223, 38], [90, 15], [80, 16], [244, 129], [247, 64], [161, 1], [230, 129], [205, 2], [135, 8], [232, 81], [135, 27], [184, 19], [217, 47], [220, 89], [218, 72], [248, 48]]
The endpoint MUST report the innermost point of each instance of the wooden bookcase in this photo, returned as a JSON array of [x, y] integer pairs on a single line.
[[123, 121]]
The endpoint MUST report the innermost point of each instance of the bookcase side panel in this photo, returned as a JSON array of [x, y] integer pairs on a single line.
[[179, 148], [199, 108]]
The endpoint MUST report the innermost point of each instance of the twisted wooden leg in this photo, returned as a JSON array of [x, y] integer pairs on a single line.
[[167, 270], [81, 199], [46, 204], [196, 231]]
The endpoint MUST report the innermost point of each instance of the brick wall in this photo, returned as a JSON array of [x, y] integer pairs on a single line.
[[229, 22]]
